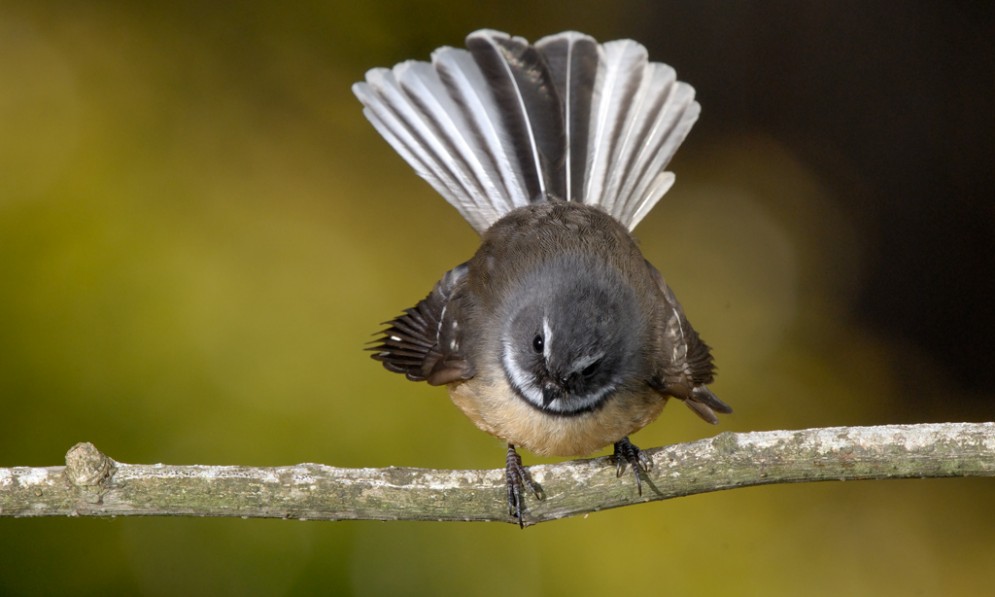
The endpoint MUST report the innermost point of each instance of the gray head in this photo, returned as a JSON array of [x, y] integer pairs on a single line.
[[571, 338]]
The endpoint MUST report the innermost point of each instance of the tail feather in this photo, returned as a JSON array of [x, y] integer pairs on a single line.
[[675, 120], [533, 115], [573, 60], [614, 95], [406, 128], [507, 123], [636, 146], [430, 96], [482, 117]]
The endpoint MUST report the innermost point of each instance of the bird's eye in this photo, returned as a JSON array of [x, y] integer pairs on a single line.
[[537, 343], [591, 369]]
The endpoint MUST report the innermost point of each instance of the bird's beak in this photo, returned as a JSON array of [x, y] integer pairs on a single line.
[[551, 392]]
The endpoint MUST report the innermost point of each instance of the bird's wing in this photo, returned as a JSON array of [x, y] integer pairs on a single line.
[[686, 368], [424, 343]]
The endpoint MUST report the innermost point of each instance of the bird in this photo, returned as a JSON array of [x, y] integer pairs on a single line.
[[557, 335]]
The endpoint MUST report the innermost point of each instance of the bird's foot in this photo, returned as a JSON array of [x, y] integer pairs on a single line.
[[627, 453], [518, 479]]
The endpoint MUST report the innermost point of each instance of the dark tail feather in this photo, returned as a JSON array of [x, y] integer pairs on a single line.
[[533, 117], [573, 64]]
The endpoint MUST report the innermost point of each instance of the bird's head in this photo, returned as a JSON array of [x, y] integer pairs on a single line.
[[572, 338]]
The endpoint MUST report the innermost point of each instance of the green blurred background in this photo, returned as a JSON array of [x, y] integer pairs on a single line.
[[199, 232]]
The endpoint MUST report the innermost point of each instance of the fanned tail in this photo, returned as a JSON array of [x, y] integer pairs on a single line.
[[508, 123]]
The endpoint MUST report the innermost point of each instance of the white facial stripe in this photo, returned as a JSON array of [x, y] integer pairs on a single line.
[[521, 380], [547, 343]]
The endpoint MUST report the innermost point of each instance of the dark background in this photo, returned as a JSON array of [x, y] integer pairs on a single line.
[[199, 231], [891, 105]]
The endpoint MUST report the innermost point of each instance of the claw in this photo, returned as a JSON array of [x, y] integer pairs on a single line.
[[627, 453], [518, 479]]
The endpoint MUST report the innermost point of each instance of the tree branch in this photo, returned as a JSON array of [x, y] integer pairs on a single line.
[[91, 484]]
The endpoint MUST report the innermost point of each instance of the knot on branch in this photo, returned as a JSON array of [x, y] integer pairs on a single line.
[[86, 466]]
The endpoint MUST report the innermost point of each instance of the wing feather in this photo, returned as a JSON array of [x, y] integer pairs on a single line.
[[424, 342]]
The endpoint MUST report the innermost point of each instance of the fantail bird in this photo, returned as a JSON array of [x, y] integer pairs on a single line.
[[557, 335]]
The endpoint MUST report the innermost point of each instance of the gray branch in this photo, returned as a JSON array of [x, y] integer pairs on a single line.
[[92, 484]]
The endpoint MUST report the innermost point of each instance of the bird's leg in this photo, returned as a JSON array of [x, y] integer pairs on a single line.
[[627, 452], [518, 479]]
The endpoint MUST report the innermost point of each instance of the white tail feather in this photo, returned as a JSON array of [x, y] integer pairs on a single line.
[[469, 89]]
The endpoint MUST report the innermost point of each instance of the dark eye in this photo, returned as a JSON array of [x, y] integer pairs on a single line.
[[590, 369], [537, 343]]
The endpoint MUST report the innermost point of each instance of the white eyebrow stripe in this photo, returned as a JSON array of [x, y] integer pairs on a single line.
[[547, 338]]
